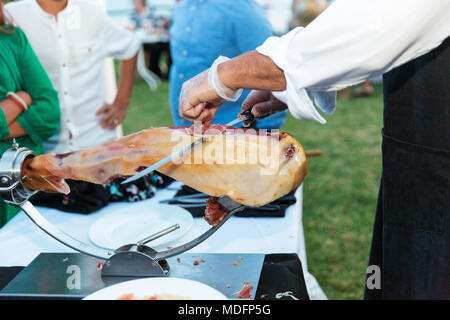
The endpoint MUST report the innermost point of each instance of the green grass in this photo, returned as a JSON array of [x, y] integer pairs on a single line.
[[339, 194]]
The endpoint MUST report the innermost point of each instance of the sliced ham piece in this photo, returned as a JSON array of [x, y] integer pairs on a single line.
[[245, 292], [252, 168]]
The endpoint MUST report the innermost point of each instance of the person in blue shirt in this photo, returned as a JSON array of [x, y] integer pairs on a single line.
[[201, 31]]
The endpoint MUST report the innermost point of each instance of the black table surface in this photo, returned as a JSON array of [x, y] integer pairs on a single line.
[[281, 278]]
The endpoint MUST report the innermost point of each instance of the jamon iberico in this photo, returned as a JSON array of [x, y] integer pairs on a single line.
[[251, 167]]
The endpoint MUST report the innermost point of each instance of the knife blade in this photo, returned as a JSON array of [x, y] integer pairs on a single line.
[[242, 117]]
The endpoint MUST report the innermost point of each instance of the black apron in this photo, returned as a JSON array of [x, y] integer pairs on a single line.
[[411, 243]]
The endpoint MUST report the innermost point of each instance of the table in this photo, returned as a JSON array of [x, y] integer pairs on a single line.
[[21, 241]]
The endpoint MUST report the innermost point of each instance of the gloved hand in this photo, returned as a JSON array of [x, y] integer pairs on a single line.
[[262, 104], [202, 95]]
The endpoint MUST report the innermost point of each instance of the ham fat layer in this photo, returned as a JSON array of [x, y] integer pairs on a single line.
[[250, 167]]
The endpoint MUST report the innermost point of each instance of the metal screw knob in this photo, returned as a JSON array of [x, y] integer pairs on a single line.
[[5, 181]]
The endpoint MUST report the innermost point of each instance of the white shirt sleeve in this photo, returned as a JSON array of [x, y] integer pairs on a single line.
[[118, 42], [351, 41]]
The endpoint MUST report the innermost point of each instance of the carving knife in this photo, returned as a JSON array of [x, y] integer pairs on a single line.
[[246, 117]]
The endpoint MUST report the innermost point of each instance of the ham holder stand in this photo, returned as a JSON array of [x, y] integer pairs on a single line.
[[132, 260]]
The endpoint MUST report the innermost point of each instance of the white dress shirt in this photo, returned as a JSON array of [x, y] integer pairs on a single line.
[[349, 42], [72, 47]]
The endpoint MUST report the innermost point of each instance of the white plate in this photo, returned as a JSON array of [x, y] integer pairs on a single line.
[[137, 221], [179, 289]]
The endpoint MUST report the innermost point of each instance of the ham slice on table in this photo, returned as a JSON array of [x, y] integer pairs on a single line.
[[251, 167]]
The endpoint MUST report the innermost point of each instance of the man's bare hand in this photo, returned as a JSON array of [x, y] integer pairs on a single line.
[[112, 115], [262, 104]]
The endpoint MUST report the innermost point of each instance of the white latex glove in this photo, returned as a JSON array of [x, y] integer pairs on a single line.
[[202, 95]]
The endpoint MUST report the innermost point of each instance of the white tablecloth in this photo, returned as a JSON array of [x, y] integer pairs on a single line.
[[21, 241]]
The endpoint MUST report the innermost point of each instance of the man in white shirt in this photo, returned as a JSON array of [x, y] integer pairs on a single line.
[[71, 39], [409, 42]]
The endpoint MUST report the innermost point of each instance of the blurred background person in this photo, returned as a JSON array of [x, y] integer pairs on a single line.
[[203, 30], [29, 110], [71, 39], [305, 11], [158, 52], [141, 15]]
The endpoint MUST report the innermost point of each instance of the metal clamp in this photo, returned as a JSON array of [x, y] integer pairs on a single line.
[[11, 187], [14, 192]]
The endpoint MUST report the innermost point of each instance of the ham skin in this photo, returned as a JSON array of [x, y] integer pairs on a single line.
[[242, 177]]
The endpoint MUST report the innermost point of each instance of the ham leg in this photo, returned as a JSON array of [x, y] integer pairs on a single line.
[[250, 167]]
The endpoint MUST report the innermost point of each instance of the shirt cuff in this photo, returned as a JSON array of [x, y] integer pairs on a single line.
[[300, 103], [299, 100]]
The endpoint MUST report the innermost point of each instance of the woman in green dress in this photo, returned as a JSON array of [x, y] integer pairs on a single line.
[[29, 107]]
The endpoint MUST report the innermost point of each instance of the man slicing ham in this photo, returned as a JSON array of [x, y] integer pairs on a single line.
[[408, 42]]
